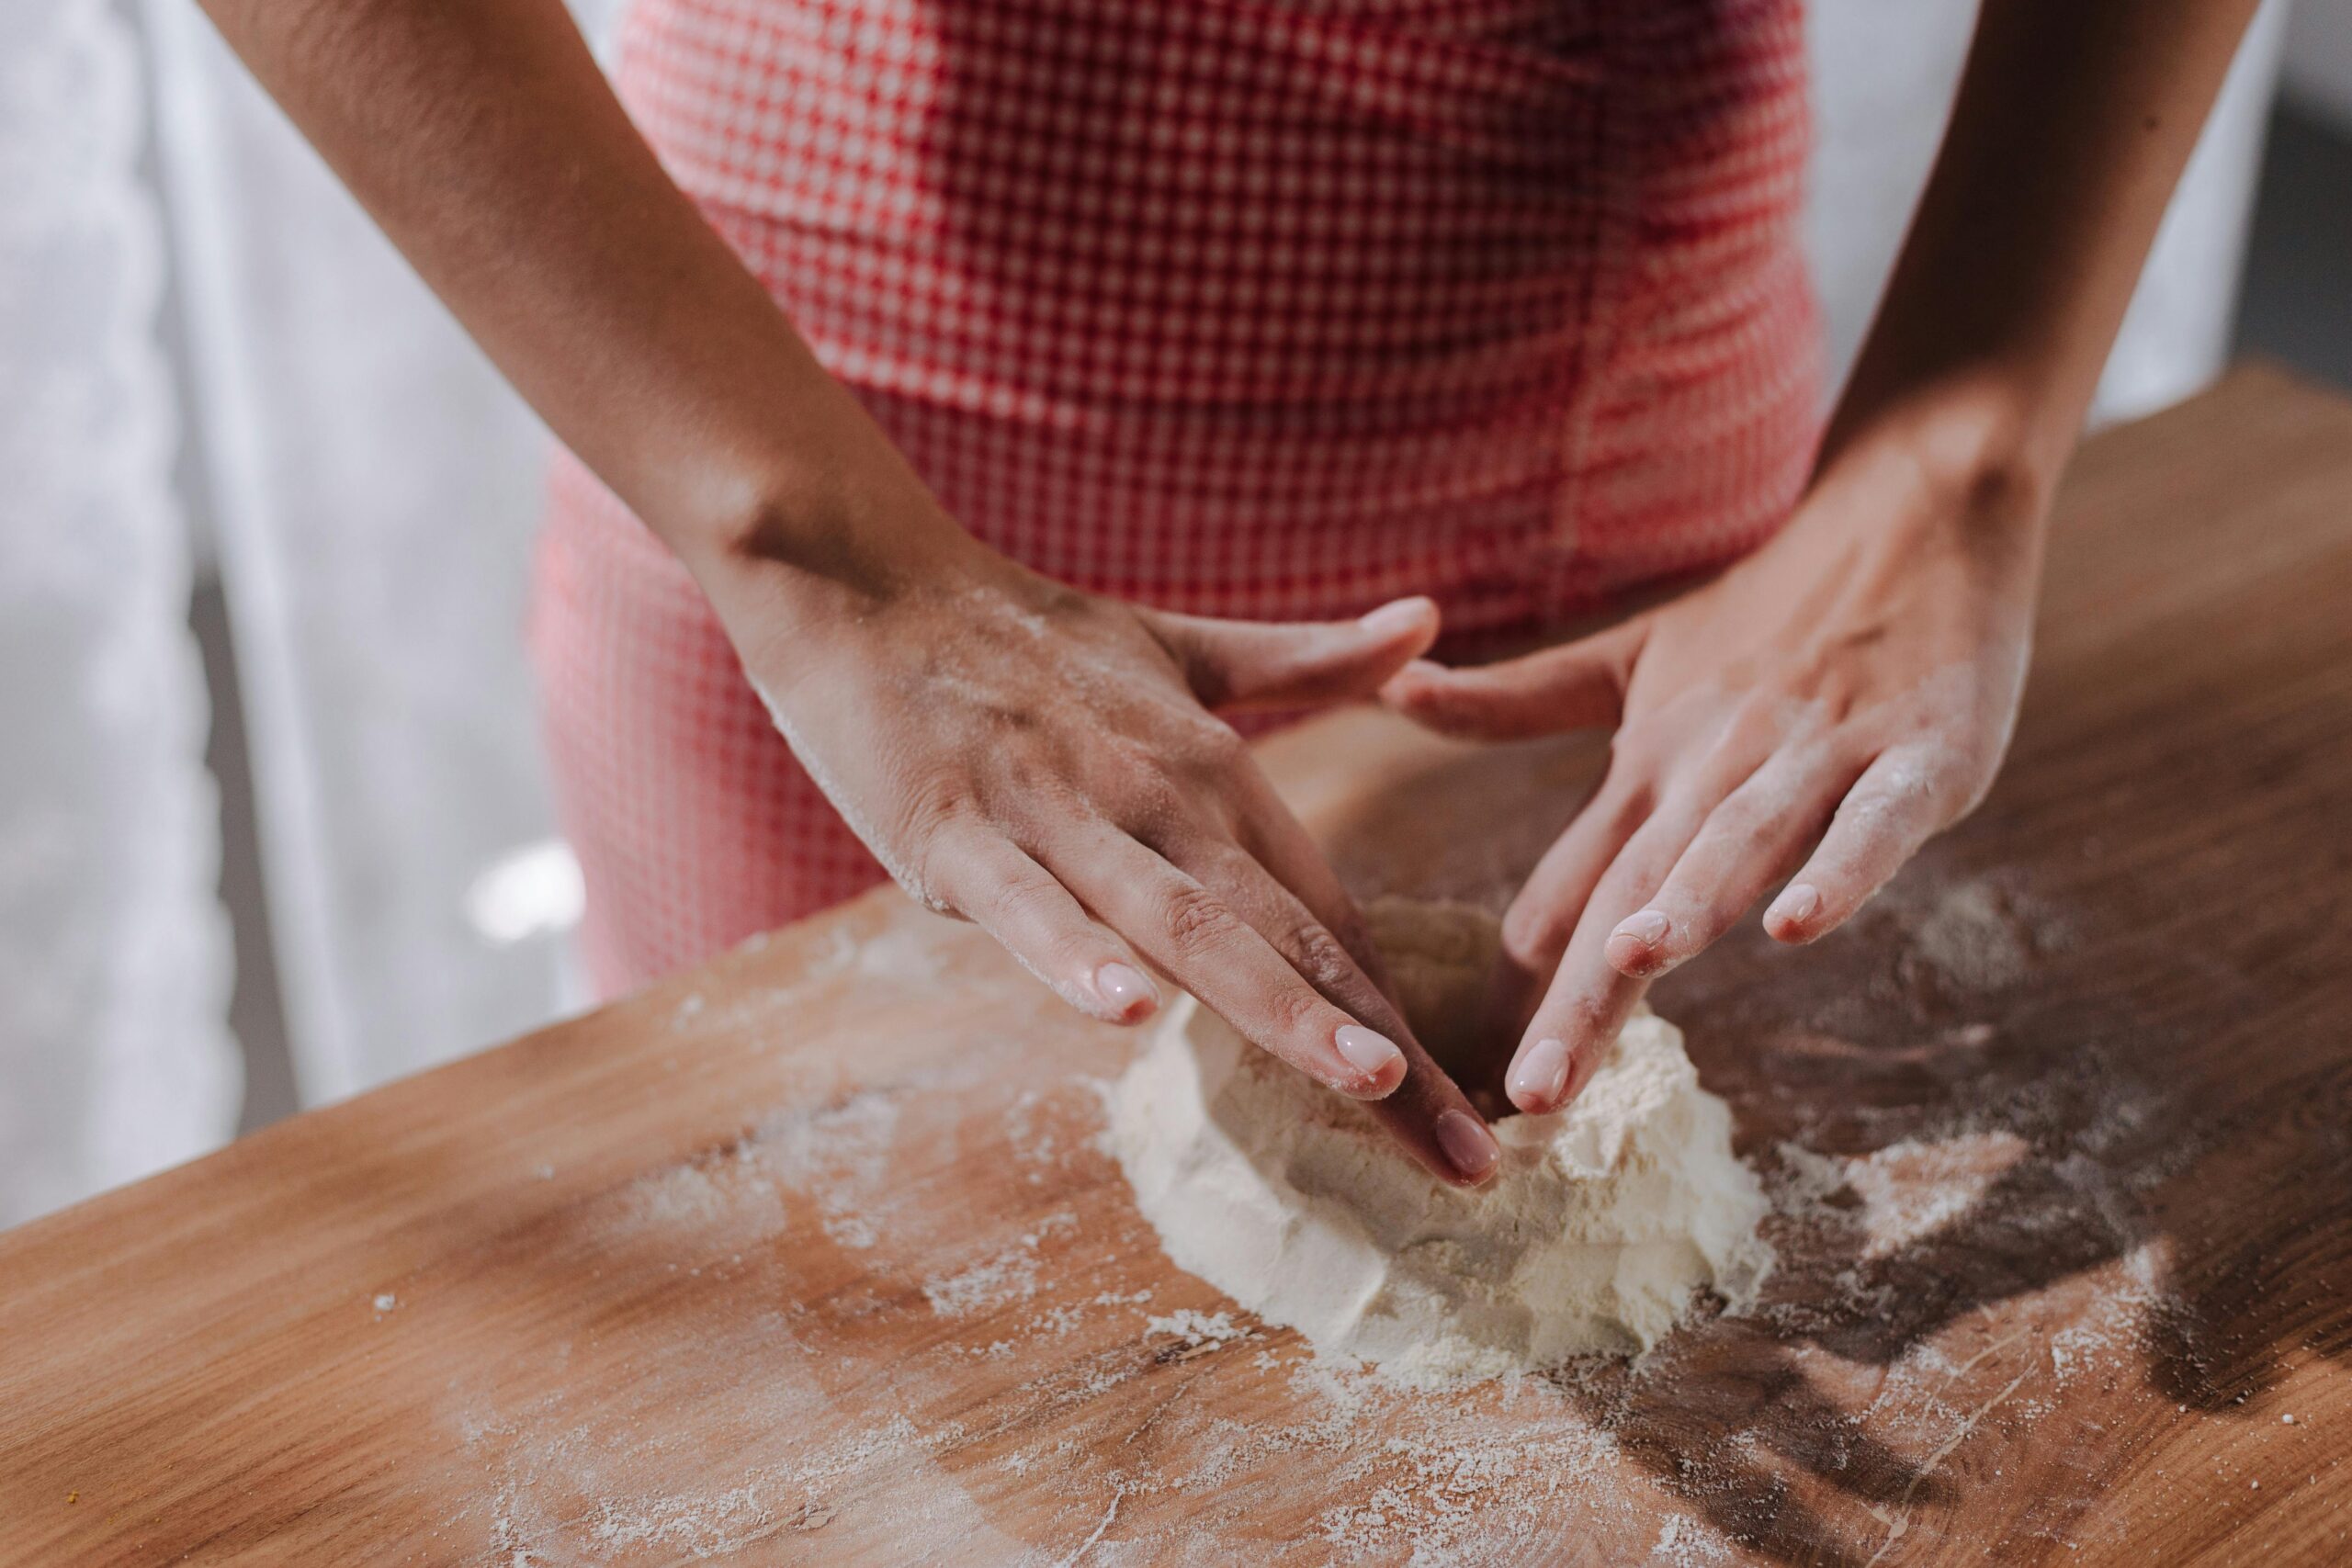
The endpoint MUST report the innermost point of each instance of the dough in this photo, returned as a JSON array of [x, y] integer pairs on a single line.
[[1603, 1223]]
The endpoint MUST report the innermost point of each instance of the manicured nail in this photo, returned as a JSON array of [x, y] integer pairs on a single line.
[[1391, 619], [1366, 1050], [1541, 1076], [1123, 986], [1798, 902], [1633, 946], [1468, 1146], [1647, 928]]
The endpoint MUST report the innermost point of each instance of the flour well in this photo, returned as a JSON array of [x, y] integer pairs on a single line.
[[1603, 1225]]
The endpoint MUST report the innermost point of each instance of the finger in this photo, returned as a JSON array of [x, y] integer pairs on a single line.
[[1579, 685], [1543, 918], [1748, 843], [1902, 800], [1234, 665], [990, 881], [1589, 999], [1195, 935], [1267, 831], [1430, 1099], [1429, 1114]]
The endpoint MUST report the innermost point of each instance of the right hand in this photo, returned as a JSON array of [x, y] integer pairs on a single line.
[[1045, 763]]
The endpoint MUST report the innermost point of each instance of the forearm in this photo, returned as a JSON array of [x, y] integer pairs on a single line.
[[484, 139], [2071, 127]]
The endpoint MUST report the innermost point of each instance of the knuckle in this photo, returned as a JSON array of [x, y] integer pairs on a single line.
[[1151, 797], [1353, 933], [1208, 755], [1195, 918], [1320, 956], [1758, 723], [1218, 744], [1295, 1010], [936, 804], [932, 875]]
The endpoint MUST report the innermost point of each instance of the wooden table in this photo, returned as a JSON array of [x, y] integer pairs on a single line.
[[811, 1256]]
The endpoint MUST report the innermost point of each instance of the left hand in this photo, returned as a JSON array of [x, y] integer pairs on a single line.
[[1847, 690]]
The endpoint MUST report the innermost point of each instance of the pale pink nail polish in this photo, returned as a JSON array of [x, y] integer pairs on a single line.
[[1123, 986], [1541, 1076], [1798, 902], [1366, 1050], [1468, 1146], [1649, 928]]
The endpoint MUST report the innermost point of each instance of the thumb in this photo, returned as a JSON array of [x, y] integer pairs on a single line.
[[1578, 685], [1246, 664]]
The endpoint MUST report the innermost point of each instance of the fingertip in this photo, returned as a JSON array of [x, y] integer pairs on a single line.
[[1369, 1088], [1538, 1080], [1629, 957], [1376, 1065], [1469, 1147], [1415, 616], [1794, 918], [1638, 949], [1127, 995]]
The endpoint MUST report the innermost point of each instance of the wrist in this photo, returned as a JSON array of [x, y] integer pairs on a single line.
[[801, 573], [790, 550], [1980, 449]]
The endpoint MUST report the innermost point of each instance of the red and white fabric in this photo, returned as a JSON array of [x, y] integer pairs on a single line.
[[1263, 308]]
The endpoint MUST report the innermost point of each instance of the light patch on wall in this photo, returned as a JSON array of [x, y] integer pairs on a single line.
[[534, 891]]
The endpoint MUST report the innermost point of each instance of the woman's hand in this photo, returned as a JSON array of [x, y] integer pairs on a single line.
[[1833, 700], [1045, 762]]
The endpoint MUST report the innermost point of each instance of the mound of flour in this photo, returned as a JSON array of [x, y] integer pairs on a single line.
[[1603, 1223]]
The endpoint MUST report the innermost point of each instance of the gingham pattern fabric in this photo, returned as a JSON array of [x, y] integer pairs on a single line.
[[1264, 308]]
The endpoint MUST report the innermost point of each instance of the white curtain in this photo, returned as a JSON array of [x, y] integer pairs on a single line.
[[373, 488], [1884, 75], [115, 1057]]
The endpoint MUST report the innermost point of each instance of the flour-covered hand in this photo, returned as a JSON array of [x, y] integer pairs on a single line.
[[1823, 707], [1047, 764]]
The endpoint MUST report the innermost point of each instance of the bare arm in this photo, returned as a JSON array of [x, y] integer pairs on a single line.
[[2072, 128], [1035, 759], [1845, 693], [482, 137]]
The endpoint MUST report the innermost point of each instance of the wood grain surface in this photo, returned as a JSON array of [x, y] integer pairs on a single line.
[[811, 1256]]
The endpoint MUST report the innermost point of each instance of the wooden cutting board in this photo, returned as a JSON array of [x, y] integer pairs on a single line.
[[811, 1256]]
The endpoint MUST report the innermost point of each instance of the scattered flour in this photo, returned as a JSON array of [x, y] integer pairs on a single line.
[[998, 1280], [1197, 1328], [1847, 1410], [1010, 1276]]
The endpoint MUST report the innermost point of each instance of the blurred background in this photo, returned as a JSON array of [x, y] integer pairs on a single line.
[[272, 827]]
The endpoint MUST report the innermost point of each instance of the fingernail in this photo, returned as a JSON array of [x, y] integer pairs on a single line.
[[1366, 1050], [1798, 902], [1649, 928], [1468, 1146], [1123, 986], [1391, 619], [1541, 1076]]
